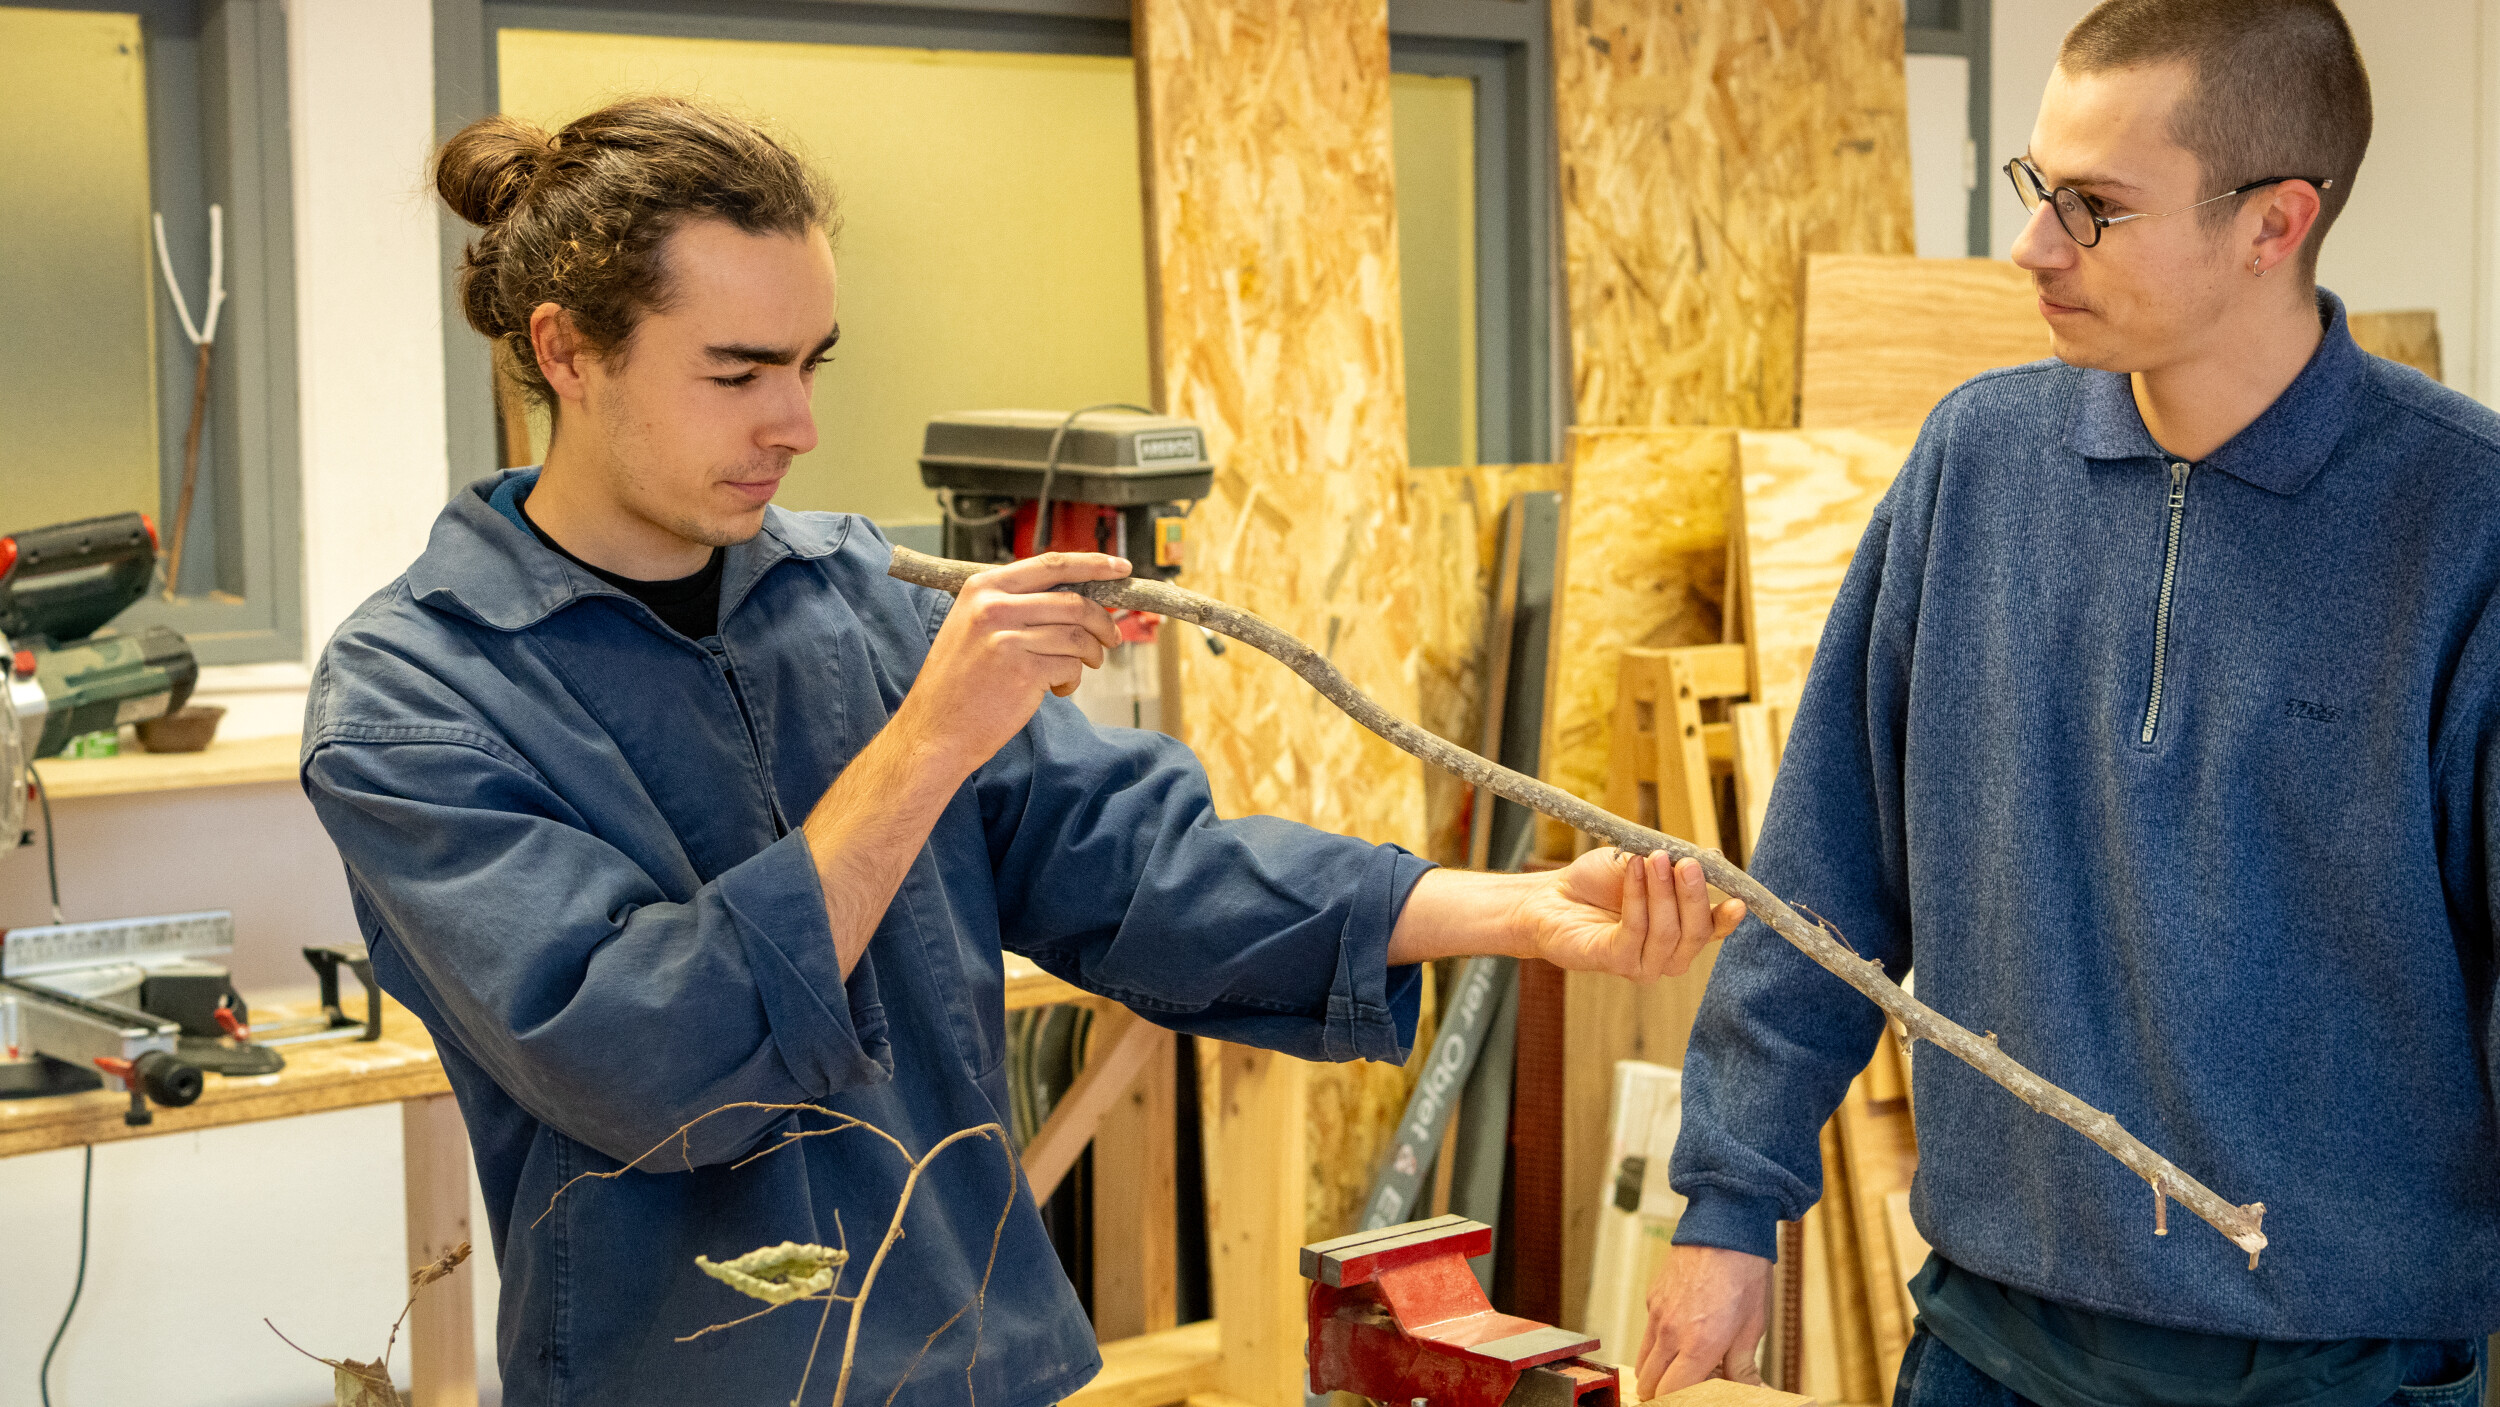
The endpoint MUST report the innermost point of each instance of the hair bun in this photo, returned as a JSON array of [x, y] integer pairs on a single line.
[[483, 170]]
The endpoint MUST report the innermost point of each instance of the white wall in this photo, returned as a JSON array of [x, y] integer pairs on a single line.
[[196, 1237], [2415, 235]]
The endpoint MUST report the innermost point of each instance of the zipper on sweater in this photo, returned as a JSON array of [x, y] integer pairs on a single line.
[[2169, 584], [746, 719]]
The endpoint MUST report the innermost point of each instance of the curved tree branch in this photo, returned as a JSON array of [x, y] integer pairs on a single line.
[[1817, 941]]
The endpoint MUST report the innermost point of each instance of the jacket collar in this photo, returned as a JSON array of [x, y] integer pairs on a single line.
[[2280, 451], [479, 564]]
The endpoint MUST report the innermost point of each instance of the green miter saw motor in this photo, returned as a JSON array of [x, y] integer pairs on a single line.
[[59, 586]]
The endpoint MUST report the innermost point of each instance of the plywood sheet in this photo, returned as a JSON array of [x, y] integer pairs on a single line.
[[1456, 517], [1644, 562], [1706, 149], [1886, 337], [1807, 496], [2410, 337]]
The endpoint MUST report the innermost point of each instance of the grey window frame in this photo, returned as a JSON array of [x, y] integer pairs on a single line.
[[1501, 45], [1961, 28], [217, 132], [1500, 42]]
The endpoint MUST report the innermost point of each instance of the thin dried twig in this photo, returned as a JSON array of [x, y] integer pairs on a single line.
[[360, 1383], [2239, 1223], [858, 1301]]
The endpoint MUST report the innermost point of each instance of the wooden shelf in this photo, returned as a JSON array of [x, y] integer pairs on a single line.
[[238, 763], [1153, 1369], [1028, 986], [318, 1077]]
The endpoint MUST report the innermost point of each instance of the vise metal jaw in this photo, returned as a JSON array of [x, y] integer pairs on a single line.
[[1397, 1316]]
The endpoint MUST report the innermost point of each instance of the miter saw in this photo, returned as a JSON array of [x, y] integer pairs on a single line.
[[59, 586]]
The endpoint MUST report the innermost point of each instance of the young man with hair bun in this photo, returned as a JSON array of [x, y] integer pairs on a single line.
[[2158, 722], [658, 800]]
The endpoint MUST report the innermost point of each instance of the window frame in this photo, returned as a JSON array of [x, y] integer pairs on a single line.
[[1523, 391], [216, 83], [1965, 34]]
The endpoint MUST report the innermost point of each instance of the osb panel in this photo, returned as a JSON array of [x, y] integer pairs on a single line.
[[1644, 562], [1273, 282], [1886, 337], [1457, 522], [1706, 149], [1275, 279], [1808, 495], [2411, 337]]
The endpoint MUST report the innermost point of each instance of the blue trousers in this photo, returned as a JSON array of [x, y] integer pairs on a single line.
[[1933, 1375]]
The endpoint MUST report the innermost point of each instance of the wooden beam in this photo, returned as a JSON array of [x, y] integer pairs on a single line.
[[1136, 1216], [1254, 1224], [1151, 1370], [442, 1324], [1122, 1045]]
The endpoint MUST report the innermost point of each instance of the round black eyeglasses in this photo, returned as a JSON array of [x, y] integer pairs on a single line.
[[2075, 216]]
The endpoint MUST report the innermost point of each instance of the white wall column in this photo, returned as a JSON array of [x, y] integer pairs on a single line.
[[368, 296]]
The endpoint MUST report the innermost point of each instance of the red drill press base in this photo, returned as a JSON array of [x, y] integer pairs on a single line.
[[1397, 1316]]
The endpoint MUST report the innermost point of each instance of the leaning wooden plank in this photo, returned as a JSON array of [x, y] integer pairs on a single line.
[[1881, 1149], [1757, 766], [2410, 337], [1807, 498], [1456, 517], [1705, 149], [1886, 337], [1853, 1328]]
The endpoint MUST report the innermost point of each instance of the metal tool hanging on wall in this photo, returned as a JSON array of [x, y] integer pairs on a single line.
[[203, 335]]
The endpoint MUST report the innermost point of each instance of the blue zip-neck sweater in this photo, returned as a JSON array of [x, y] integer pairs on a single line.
[[2183, 780]]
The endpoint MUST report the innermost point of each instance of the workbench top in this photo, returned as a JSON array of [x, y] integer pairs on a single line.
[[224, 764], [318, 1077]]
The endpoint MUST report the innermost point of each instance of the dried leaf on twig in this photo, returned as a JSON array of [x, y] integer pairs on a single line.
[[777, 1274]]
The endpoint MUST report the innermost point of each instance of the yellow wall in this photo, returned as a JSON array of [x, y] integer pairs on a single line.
[[993, 245], [78, 430], [1434, 145], [992, 248]]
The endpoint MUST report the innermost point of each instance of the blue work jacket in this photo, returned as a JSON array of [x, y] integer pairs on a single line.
[[570, 834]]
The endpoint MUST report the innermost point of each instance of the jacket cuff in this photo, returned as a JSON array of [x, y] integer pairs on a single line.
[[1372, 1007], [1714, 1216], [831, 1034]]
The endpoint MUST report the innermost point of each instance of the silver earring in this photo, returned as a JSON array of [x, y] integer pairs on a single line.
[[2257, 264]]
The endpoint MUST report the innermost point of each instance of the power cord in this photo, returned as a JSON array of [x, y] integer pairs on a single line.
[[51, 855], [1042, 533], [86, 1201], [86, 1181]]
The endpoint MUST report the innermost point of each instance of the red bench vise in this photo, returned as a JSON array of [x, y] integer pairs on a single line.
[[1397, 1316]]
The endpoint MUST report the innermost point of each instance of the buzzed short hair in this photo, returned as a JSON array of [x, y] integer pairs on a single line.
[[2278, 90]]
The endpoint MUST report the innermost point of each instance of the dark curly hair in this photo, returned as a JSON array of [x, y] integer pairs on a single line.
[[579, 219]]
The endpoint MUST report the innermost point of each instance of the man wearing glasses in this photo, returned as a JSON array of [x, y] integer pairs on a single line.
[[2159, 719]]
